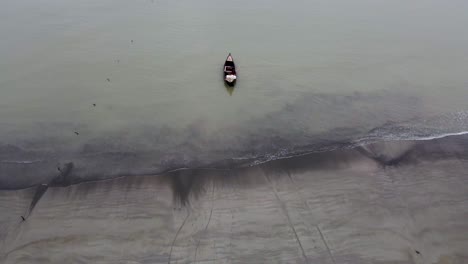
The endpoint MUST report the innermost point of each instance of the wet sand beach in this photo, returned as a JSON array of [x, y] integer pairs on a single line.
[[391, 202]]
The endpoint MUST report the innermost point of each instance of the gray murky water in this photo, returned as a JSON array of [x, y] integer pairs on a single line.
[[310, 73]]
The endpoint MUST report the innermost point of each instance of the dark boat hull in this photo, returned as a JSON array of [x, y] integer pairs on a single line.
[[229, 69]]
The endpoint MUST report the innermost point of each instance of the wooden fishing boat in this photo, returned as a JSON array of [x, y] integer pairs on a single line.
[[230, 74]]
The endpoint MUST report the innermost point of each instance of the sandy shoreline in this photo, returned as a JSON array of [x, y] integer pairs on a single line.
[[404, 202]]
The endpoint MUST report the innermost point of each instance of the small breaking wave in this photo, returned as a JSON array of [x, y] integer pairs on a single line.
[[20, 161]]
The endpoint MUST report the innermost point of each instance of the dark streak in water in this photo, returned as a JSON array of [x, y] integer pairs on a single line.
[[60, 180], [40, 190], [63, 179], [184, 184]]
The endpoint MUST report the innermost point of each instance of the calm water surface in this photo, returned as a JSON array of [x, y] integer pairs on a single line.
[[311, 74]]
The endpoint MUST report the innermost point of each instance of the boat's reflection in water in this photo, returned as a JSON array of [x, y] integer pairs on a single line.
[[229, 89]]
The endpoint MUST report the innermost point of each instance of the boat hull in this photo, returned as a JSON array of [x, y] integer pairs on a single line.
[[229, 69]]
